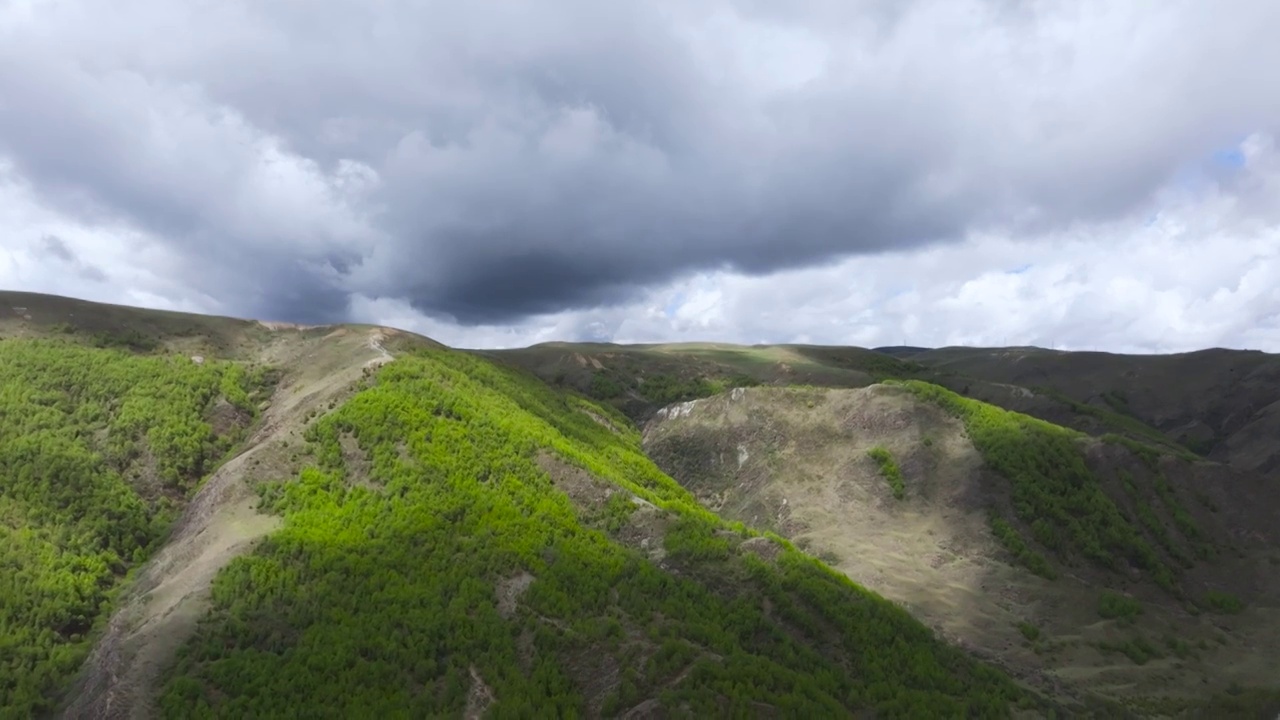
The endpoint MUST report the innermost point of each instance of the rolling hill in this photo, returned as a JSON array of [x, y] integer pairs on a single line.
[[212, 517]]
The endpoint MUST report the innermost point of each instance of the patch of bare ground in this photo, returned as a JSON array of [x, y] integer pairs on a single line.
[[225, 418], [356, 460], [596, 675], [601, 420], [650, 709], [762, 547], [645, 528], [479, 699], [509, 592], [159, 611], [583, 488]]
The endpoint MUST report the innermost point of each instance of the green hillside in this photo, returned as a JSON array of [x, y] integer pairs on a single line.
[[98, 447], [429, 564], [413, 531]]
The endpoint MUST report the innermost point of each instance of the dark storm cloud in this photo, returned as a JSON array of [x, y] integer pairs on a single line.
[[491, 161], [55, 248]]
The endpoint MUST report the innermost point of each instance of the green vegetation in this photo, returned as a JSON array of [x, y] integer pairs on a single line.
[[1029, 631], [1012, 541], [1180, 648], [878, 365], [1123, 421], [1114, 606], [1223, 603], [383, 601], [1053, 490], [889, 470], [663, 388], [1150, 455], [97, 450], [1137, 648]]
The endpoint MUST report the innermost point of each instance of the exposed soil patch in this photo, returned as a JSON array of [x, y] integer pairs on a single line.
[[227, 419], [648, 710], [646, 526], [509, 592], [359, 469], [480, 697], [601, 420], [583, 488], [762, 547], [595, 674], [645, 530]]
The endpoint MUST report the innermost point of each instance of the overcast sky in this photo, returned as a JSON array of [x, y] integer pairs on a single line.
[[1086, 175]]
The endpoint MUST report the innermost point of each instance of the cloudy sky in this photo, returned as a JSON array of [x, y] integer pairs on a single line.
[[1088, 175]]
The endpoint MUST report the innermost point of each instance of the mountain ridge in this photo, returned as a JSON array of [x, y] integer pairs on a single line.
[[357, 419]]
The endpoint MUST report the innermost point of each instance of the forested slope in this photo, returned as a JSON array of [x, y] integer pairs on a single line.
[[97, 449], [429, 564]]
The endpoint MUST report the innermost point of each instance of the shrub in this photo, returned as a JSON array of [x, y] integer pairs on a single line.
[[889, 470], [1223, 603], [1114, 606]]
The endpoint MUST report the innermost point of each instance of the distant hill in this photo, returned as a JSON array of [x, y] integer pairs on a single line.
[[1222, 404], [901, 351]]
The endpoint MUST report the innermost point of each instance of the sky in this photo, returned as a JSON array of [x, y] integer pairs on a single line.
[[1089, 175]]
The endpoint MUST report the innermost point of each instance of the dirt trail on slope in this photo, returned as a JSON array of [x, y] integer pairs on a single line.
[[171, 593]]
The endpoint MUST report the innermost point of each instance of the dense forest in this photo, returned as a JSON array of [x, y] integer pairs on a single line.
[[389, 590], [98, 448]]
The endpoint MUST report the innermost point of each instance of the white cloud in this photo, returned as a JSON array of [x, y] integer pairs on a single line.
[[299, 163]]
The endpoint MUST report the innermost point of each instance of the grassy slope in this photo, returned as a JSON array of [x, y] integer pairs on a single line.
[[34, 315], [381, 593], [97, 449]]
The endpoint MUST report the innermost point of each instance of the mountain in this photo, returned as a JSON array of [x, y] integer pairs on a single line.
[[218, 518], [213, 517]]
